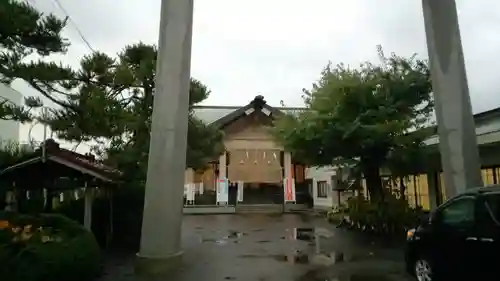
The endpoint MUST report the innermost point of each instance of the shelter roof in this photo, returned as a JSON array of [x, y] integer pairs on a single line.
[[52, 152]]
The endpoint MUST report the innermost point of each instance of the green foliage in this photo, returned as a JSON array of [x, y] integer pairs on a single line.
[[46, 248], [108, 100], [10, 152], [367, 116], [24, 32], [13, 151], [118, 94], [393, 216]]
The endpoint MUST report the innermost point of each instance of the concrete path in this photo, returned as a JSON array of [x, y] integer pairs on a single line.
[[271, 248]]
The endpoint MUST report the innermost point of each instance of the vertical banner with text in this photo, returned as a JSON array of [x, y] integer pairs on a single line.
[[190, 194], [222, 191], [289, 187], [240, 191]]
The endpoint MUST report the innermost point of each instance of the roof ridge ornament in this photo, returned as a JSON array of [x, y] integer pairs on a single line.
[[259, 99]]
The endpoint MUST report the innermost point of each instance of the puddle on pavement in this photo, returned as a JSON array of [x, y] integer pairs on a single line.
[[295, 258], [308, 233], [299, 257], [304, 234], [356, 277], [232, 237], [312, 275], [235, 234], [263, 241]]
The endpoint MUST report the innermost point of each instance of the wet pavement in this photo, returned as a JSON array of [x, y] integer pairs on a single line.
[[261, 247]]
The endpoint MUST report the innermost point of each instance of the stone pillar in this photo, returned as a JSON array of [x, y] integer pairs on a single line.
[[457, 137], [160, 249]]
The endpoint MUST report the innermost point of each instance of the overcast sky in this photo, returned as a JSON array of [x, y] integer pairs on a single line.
[[242, 48]]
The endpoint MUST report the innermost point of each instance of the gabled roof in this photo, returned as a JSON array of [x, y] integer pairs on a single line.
[[489, 114], [221, 116], [257, 104], [84, 163]]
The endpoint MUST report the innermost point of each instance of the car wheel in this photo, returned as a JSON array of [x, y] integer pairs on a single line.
[[423, 270]]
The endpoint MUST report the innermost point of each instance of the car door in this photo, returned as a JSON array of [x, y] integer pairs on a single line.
[[452, 228], [486, 252]]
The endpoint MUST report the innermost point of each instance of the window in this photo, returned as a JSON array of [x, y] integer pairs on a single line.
[[458, 213], [489, 211], [322, 188]]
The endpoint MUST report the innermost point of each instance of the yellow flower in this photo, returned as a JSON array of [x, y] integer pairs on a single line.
[[25, 236], [27, 228], [16, 229], [4, 224]]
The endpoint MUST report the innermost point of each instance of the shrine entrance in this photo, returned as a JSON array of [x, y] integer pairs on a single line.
[[253, 169], [260, 171]]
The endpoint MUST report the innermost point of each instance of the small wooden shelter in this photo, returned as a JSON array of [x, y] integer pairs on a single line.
[[51, 170]]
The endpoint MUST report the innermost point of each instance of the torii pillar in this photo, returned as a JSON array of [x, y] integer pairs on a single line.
[[160, 249], [456, 128]]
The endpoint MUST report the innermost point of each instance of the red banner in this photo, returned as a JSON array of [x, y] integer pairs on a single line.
[[288, 190]]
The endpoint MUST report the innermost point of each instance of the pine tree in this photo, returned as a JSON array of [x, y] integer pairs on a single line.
[[26, 33]]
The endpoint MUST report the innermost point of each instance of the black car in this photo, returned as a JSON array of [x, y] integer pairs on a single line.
[[460, 239]]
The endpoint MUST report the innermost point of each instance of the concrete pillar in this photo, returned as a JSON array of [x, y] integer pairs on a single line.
[[160, 249], [457, 137], [87, 216], [222, 165]]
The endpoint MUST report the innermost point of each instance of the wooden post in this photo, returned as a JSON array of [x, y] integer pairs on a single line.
[[87, 217]]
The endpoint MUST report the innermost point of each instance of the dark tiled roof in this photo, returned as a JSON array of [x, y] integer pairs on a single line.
[[212, 114], [84, 160], [223, 115], [85, 163]]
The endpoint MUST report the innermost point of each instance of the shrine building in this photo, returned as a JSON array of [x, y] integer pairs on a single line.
[[251, 156]]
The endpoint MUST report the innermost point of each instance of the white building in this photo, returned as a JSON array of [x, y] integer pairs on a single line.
[[10, 130], [324, 193]]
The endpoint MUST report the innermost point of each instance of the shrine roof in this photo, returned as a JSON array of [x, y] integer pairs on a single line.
[[84, 163], [223, 115]]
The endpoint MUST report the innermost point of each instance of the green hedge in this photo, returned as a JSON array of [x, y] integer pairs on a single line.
[[46, 248], [393, 216]]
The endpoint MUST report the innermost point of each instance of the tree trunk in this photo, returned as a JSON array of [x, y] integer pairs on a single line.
[[371, 173], [402, 188]]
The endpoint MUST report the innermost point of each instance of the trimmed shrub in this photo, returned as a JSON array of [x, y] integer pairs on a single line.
[[46, 248], [393, 216]]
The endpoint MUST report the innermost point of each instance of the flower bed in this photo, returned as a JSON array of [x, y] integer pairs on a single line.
[[46, 248]]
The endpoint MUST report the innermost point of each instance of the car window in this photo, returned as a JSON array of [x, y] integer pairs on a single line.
[[492, 209], [458, 213]]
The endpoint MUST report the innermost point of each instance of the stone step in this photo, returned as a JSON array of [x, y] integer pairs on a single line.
[[259, 208]]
